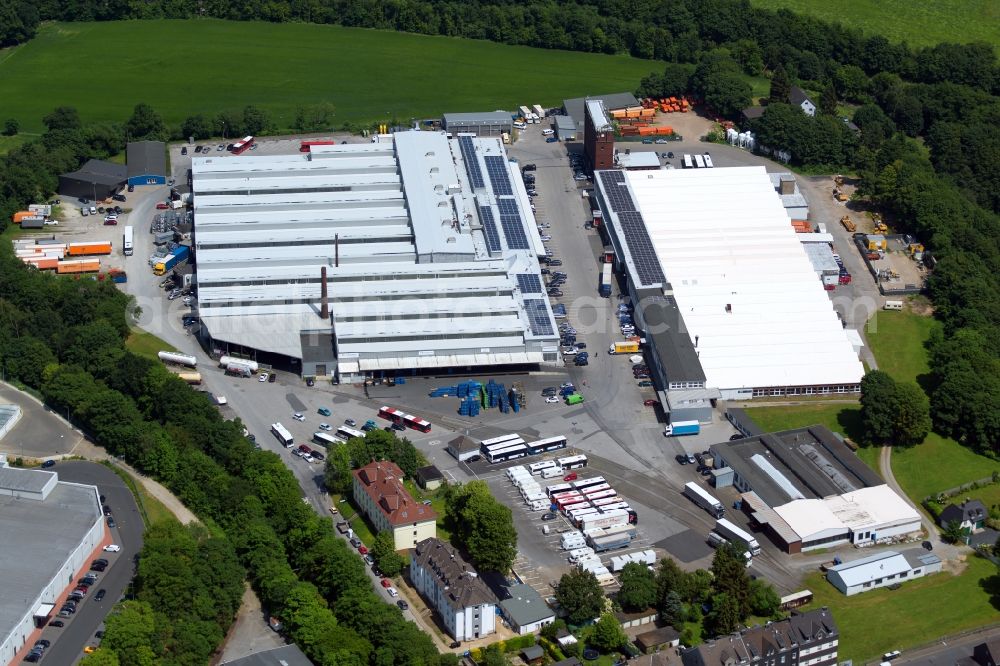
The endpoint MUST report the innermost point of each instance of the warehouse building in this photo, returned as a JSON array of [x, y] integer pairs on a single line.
[[808, 490], [95, 180], [882, 570], [566, 128], [717, 245], [416, 254], [575, 108], [146, 162], [50, 530], [485, 123]]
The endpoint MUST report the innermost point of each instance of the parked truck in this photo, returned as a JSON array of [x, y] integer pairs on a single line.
[[735, 534], [168, 262], [230, 360], [178, 358], [608, 542], [605, 287], [704, 499], [717, 541], [678, 428], [623, 347], [602, 520]]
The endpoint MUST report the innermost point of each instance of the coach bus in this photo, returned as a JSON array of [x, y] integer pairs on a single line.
[[507, 453], [282, 435], [329, 441], [545, 445], [242, 145], [572, 462], [558, 488], [345, 433]]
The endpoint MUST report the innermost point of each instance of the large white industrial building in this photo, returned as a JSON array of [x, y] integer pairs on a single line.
[[50, 530], [736, 298], [428, 245]]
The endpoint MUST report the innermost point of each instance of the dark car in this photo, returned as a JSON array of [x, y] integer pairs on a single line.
[[928, 545], [42, 643], [555, 262], [310, 382], [57, 623], [197, 149], [111, 521], [681, 458], [33, 656], [548, 516], [670, 156], [100, 595], [529, 167], [48, 463], [184, 150], [733, 438], [398, 426], [131, 188], [454, 644], [402, 604], [549, 390], [317, 455], [271, 378], [474, 458]]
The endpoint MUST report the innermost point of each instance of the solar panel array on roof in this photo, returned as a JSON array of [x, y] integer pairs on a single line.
[[496, 167], [538, 317], [490, 229], [529, 283], [513, 227], [641, 248], [471, 163]]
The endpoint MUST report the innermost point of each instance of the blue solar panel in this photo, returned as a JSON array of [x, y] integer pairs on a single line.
[[647, 264], [471, 163], [513, 226], [529, 283], [490, 229], [496, 167], [538, 317]]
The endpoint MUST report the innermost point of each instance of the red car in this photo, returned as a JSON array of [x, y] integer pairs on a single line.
[[650, 403], [363, 550], [386, 582], [162, 206], [570, 477]]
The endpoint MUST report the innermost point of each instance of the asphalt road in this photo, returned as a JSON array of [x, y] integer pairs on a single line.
[[947, 651], [36, 434], [68, 642]]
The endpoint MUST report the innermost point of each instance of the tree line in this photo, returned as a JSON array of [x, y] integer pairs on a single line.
[[65, 339]]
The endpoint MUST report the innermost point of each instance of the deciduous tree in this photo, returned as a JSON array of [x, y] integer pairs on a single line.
[[580, 595], [638, 587], [608, 634]]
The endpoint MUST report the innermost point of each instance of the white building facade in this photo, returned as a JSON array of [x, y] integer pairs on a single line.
[[450, 585]]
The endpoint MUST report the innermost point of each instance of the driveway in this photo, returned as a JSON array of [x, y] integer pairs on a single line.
[[37, 434], [68, 642]]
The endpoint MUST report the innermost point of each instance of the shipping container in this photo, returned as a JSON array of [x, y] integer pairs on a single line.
[[89, 248], [79, 266]]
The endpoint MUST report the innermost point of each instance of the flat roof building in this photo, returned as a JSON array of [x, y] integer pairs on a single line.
[[718, 243], [809, 490], [882, 569], [96, 179], [638, 160], [485, 123], [525, 610], [415, 254], [50, 529]]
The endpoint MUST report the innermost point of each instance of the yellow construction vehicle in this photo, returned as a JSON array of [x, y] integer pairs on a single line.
[[848, 223], [840, 195], [880, 226], [915, 248]]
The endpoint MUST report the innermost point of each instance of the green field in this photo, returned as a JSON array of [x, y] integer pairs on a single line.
[[944, 605], [204, 66], [918, 23], [146, 344], [938, 464], [897, 340]]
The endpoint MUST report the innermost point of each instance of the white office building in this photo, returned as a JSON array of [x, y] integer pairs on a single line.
[[428, 247]]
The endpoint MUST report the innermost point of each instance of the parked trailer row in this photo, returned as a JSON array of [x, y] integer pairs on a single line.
[[644, 557]]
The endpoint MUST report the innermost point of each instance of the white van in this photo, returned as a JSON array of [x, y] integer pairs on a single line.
[[548, 132], [893, 305], [552, 472]]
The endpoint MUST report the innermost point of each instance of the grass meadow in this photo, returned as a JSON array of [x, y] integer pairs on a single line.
[[183, 67], [918, 23]]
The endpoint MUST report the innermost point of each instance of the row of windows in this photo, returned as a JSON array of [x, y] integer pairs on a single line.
[[283, 190], [806, 390], [348, 278], [415, 338], [685, 385], [439, 315], [410, 298], [317, 243], [830, 539]]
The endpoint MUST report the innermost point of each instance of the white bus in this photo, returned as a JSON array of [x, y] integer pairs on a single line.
[[687, 163], [345, 433], [486, 448], [539, 467], [507, 453], [282, 435], [572, 462], [546, 445], [606, 501], [326, 440], [128, 245], [600, 494], [487, 443], [558, 489], [582, 484], [699, 161]]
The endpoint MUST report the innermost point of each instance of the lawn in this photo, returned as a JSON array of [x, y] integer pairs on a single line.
[[938, 464], [182, 67], [919, 23], [437, 503], [153, 510], [897, 340], [7, 143], [875, 622], [146, 344]]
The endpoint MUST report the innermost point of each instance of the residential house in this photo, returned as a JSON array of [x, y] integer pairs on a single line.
[[452, 587], [525, 610], [971, 513], [798, 97], [379, 492], [787, 642]]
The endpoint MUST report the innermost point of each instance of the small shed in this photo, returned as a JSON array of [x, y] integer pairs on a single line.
[[147, 163], [429, 478], [462, 448], [565, 128], [658, 638], [533, 655]]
